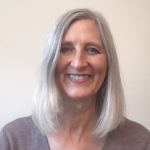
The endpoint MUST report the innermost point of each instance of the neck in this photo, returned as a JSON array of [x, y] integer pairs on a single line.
[[78, 117], [76, 127]]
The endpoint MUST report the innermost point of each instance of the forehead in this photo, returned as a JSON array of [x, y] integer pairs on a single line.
[[83, 29]]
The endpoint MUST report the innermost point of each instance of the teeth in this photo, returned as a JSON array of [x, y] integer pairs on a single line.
[[74, 77]]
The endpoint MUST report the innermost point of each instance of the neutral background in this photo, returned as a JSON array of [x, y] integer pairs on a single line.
[[24, 26]]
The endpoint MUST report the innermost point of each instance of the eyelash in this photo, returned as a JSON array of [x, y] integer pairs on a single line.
[[65, 49], [89, 50], [94, 50]]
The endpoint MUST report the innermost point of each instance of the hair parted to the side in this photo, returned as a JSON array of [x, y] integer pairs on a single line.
[[47, 99]]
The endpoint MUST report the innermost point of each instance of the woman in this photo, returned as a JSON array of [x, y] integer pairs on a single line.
[[79, 101]]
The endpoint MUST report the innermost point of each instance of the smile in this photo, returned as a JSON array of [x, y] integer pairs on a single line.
[[78, 77]]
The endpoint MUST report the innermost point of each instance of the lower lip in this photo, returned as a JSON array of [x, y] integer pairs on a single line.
[[79, 81]]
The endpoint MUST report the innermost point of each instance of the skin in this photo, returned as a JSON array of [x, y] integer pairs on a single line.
[[81, 70]]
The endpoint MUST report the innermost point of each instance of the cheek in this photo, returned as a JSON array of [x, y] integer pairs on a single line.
[[100, 71], [100, 76], [62, 64], [100, 65], [61, 69], [59, 66], [58, 73]]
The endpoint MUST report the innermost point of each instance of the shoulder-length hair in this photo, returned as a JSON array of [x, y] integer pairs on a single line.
[[47, 99]]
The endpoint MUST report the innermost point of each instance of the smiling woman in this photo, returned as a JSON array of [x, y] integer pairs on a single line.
[[82, 63], [79, 100]]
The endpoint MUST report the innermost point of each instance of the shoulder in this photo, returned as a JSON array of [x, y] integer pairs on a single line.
[[22, 133], [130, 135], [20, 128], [134, 130], [20, 125]]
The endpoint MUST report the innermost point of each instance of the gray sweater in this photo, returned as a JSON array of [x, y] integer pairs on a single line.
[[22, 134]]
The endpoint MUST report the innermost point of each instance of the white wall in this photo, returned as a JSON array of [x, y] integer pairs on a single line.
[[24, 26]]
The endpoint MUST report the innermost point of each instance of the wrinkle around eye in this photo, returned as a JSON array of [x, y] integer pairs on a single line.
[[92, 50], [64, 49]]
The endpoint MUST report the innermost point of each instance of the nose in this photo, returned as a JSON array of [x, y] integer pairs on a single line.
[[79, 60]]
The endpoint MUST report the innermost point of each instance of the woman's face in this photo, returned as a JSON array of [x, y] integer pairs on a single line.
[[82, 63]]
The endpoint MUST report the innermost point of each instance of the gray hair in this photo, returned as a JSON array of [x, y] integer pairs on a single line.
[[47, 99]]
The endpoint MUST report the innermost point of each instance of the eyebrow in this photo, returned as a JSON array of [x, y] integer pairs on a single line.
[[70, 43], [100, 46]]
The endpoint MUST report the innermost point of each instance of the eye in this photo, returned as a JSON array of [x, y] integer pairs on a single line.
[[92, 50], [65, 49]]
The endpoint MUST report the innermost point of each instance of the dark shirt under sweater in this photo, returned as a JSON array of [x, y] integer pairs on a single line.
[[22, 134]]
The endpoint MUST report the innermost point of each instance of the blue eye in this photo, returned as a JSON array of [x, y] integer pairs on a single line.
[[92, 50]]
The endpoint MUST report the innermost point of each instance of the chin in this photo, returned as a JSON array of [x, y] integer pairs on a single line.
[[82, 97]]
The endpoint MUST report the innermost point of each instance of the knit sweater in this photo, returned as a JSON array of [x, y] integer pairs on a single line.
[[22, 134]]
